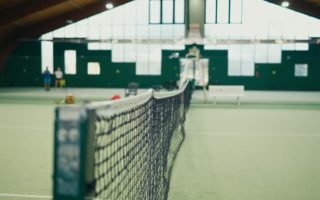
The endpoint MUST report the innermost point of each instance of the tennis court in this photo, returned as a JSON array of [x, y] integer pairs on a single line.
[[249, 153], [171, 100], [258, 150]]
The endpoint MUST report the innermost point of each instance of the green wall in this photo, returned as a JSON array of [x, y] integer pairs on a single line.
[[268, 76], [116, 75], [23, 68]]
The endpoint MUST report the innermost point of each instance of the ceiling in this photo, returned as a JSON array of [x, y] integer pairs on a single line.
[[25, 19], [308, 7]]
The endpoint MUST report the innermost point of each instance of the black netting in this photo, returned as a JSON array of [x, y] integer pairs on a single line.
[[135, 149]]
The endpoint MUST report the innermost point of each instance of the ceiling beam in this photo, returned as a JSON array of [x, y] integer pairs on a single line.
[[60, 21], [24, 9], [300, 6]]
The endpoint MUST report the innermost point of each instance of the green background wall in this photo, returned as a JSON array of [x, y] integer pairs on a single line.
[[23, 68]]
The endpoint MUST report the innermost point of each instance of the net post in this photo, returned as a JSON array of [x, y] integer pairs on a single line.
[[89, 150], [69, 153]]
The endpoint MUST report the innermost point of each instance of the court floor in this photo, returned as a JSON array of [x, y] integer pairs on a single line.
[[26, 151], [252, 151], [249, 153]]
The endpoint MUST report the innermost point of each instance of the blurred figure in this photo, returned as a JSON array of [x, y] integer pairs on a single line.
[[59, 78], [46, 79]]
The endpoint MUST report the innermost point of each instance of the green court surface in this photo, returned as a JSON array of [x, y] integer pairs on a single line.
[[26, 144], [250, 152]]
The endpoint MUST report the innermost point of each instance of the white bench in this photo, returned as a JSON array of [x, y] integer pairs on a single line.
[[217, 91]]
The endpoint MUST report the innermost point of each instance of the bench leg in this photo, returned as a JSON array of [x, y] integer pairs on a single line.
[[238, 101], [205, 94], [214, 101]]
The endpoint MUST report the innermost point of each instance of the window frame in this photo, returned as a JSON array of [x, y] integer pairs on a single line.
[[216, 14], [161, 13]]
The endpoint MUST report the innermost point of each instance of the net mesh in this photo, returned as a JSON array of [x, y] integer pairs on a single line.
[[135, 149]]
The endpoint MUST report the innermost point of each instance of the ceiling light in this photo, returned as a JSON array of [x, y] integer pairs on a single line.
[[69, 21], [109, 5], [285, 4]]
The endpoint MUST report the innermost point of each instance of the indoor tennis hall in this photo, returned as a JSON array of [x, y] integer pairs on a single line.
[[160, 100]]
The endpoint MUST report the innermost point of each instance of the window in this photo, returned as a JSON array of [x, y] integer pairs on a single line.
[[235, 11], [179, 11], [154, 11], [261, 53], [166, 11], [70, 61], [274, 53], [117, 53], [223, 11], [241, 60], [47, 56], [93, 68], [148, 60], [301, 70], [234, 60]]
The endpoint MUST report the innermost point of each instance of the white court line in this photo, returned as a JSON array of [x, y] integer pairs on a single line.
[[249, 134], [25, 196], [26, 128]]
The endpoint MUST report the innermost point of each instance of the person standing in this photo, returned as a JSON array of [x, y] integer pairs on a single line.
[[59, 77], [47, 79]]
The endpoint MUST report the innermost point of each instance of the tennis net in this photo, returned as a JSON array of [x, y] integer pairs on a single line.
[[119, 150]]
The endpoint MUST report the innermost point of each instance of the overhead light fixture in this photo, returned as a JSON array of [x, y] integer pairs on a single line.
[[285, 4], [109, 5], [69, 21]]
